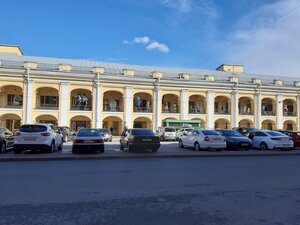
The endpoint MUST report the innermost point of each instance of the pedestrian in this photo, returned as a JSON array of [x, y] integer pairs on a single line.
[[111, 129]]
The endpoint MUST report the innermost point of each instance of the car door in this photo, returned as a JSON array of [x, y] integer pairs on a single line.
[[192, 137], [258, 139], [9, 138]]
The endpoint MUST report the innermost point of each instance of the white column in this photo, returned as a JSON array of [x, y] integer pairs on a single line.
[[234, 109], [184, 104], [279, 108], [210, 109], [64, 97], [97, 106], [28, 97], [157, 110], [257, 110], [298, 112], [128, 105]]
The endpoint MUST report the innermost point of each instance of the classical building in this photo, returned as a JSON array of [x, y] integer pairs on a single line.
[[79, 93]]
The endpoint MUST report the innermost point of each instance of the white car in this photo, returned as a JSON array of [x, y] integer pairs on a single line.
[[182, 131], [266, 139], [37, 137], [202, 139]]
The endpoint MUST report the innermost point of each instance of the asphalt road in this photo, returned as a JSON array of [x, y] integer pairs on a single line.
[[187, 191]]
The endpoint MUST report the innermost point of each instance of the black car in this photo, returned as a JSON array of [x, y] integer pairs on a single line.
[[245, 131], [139, 139], [6, 140], [67, 133], [235, 140]]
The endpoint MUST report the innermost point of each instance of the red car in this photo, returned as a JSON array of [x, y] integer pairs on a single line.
[[294, 135]]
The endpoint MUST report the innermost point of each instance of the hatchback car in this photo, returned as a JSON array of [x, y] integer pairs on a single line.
[[235, 140], [88, 140], [37, 137], [166, 133], [266, 139], [294, 135], [203, 139], [139, 139], [106, 134], [6, 140]]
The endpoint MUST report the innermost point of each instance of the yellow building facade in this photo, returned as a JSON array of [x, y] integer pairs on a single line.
[[79, 93]]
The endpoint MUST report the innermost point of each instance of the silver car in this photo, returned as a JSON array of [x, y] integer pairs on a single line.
[[203, 139], [182, 131], [166, 133]]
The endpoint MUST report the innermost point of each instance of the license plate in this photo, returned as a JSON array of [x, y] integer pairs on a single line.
[[146, 139], [29, 138], [244, 144]]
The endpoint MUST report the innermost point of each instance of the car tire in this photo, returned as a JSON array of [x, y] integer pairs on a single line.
[[197, 146], [2, 148], [51, 148], [263, 146], [180, 143], [60, 147]]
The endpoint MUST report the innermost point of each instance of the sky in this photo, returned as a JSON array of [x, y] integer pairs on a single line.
[[263, 35]]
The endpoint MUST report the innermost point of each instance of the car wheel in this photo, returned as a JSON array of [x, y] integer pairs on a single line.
[[60, 147], [52, 148], [181, 144], [2, 148], [196, 146], [263, 146]]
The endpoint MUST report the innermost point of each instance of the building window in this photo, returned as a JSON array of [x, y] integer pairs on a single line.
[[49, 101], [14, 100]]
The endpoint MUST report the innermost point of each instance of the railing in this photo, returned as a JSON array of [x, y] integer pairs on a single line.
[[81, 107], [196, 111], [112, 109], [10, 106], [47, 106], [142, 109], [170, 111], [268, 113], [245, 113], [289, 114], [224, 112]]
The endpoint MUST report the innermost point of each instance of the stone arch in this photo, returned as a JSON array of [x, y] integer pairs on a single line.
[[197, 104], [113, 101], [47, 98], [289, 107], [222, 124], [268, 125], [268, 106], [290, 125], [78, 122], [114, 124], [246, 123], [142, 122], [246, 106], [222, 104], [11, 121], [202, 121], [81, 99], [170, 103], [11, 96], [46, 118], [142, 102]]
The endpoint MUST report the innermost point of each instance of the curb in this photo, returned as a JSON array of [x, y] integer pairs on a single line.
[[144, 156]]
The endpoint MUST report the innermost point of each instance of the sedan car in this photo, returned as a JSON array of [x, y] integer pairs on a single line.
[[139, 139], [294, 135], [37, 137], [235, 140], [88, 140], [245, 131], [266, 139], [203, 139], [106, 134], [6, 140], [182, 131]]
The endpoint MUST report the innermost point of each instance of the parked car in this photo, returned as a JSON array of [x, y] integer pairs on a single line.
[[6, 139], [235, 140], [245, 131], [182, 131], [166, 133], [37, 137], [294, 135], [203, 139], [67, 133], [266, 139], [88, 140], [106, 134], [139, 139]]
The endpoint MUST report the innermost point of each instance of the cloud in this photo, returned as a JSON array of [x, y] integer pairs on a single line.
[[158, 46], [182, 6], [268, 40], [150, 44]]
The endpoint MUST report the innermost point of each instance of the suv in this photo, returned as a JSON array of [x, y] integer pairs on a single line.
[[66, 132], [166, 133], [37, 136]]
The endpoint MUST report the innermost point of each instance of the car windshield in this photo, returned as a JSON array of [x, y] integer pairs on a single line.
[[210, 132], [231, 133], [170, 129], [33, 128], [142, 132], [274, 133], [88, 133]]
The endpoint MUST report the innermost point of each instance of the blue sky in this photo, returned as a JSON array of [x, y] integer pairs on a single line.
[[263, 35]]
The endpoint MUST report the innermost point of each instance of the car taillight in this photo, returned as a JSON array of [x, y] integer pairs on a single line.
[[45, 134], [18, 134], [275, 139], [206, 138], [77, 141]]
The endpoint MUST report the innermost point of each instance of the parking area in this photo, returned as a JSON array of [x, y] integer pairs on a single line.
[[112, 151]]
